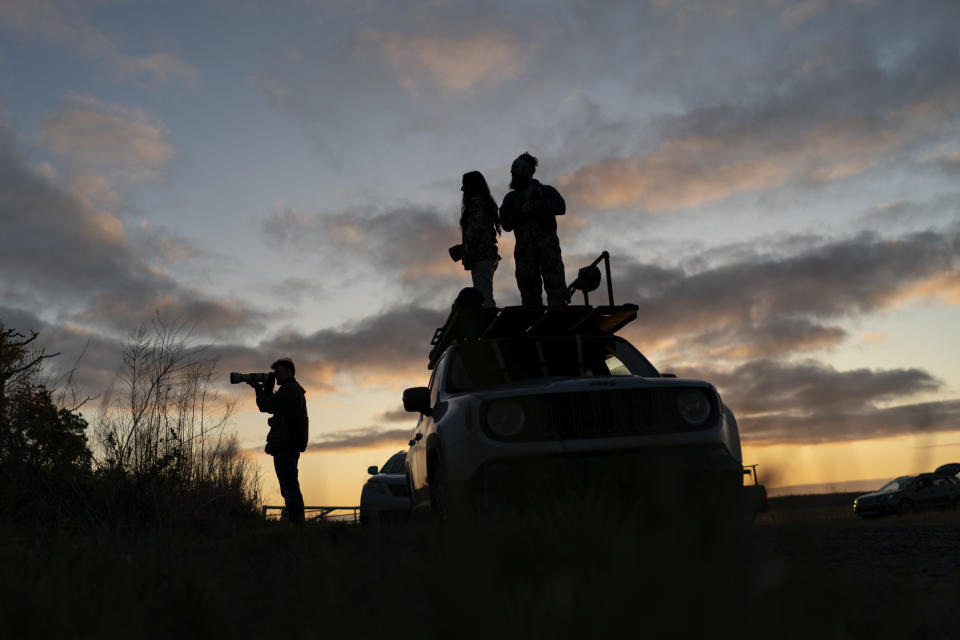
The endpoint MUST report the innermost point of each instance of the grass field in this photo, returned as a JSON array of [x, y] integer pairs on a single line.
[[806, 569]]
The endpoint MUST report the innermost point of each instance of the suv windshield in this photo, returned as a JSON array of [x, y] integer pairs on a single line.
[[491, 363], [395, 464]]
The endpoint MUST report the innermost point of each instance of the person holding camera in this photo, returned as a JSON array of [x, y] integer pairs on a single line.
[[289, 429], [479, 227], [530, 210]]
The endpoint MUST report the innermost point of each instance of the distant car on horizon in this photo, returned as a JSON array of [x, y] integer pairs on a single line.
[[909, 494], [386, 495]]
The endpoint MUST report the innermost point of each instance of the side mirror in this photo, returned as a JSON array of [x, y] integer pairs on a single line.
[[373, 470], [417, 399]]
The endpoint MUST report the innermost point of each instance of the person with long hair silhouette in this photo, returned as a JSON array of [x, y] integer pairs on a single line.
[[480, 226]]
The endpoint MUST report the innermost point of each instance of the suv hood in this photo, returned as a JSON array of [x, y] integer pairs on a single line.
[[560, 385]]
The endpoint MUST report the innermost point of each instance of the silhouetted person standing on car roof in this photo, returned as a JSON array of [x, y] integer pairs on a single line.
[[530, 210], [480, 226]]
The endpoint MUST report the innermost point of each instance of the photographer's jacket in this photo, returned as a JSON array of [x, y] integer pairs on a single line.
[[288, 426]]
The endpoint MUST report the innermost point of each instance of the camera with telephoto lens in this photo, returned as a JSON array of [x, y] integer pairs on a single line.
[[252, 378]]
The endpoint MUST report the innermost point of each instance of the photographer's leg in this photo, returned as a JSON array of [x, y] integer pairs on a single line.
[[285, 464]]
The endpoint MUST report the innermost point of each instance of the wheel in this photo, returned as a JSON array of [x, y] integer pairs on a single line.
[[906, 508]]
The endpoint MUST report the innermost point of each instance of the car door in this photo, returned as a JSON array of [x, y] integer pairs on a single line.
[[942, 492], [411, 463], [418, 448], [926, 493]]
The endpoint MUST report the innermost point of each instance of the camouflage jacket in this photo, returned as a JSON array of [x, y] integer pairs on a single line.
[[547, 204], [478, 224]]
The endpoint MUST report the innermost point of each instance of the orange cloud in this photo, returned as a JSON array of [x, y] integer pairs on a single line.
[[97, 136], [697, 170], [456, 65], [943, 286]]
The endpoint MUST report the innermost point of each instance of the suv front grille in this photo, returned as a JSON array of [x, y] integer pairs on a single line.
[[601, 414]]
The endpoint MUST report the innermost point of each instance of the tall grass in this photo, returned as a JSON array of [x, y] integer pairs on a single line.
[[161, 458]]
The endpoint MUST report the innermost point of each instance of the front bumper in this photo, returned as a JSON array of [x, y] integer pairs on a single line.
[[874, 508], [664, 476]]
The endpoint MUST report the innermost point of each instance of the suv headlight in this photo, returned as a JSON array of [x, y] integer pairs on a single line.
[[694, 406], [505, 417], [378, 487]]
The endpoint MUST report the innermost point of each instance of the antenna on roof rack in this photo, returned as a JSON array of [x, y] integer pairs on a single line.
[[588, 279]]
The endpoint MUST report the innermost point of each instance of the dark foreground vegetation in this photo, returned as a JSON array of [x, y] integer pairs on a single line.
[[574, 574], [160, 457]]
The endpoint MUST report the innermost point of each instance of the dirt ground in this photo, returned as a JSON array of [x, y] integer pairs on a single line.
[[906, 568]]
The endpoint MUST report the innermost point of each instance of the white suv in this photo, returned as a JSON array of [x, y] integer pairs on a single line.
[[525, 400]]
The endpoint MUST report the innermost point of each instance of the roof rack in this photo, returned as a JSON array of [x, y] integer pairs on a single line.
[[467, 324]]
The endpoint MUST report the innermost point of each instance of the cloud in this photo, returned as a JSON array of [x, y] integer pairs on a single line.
[[927, 417], [98, 137], [808, 402], [905, 215], [699, 169], [165, 298], [392, 344], [397, 415], [164, 67], [777, 304], [80, 261], [838, 103], [769, 386], [949, 162], [389, 347], [409, 242], [456, 64], [96, 357], [799, 13], [360, 439], [63, 25]]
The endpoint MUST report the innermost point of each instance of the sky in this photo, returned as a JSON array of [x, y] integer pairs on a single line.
[[776, 182]]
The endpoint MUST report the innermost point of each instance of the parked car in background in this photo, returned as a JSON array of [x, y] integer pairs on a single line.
[[386, 495], [909, 494]]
